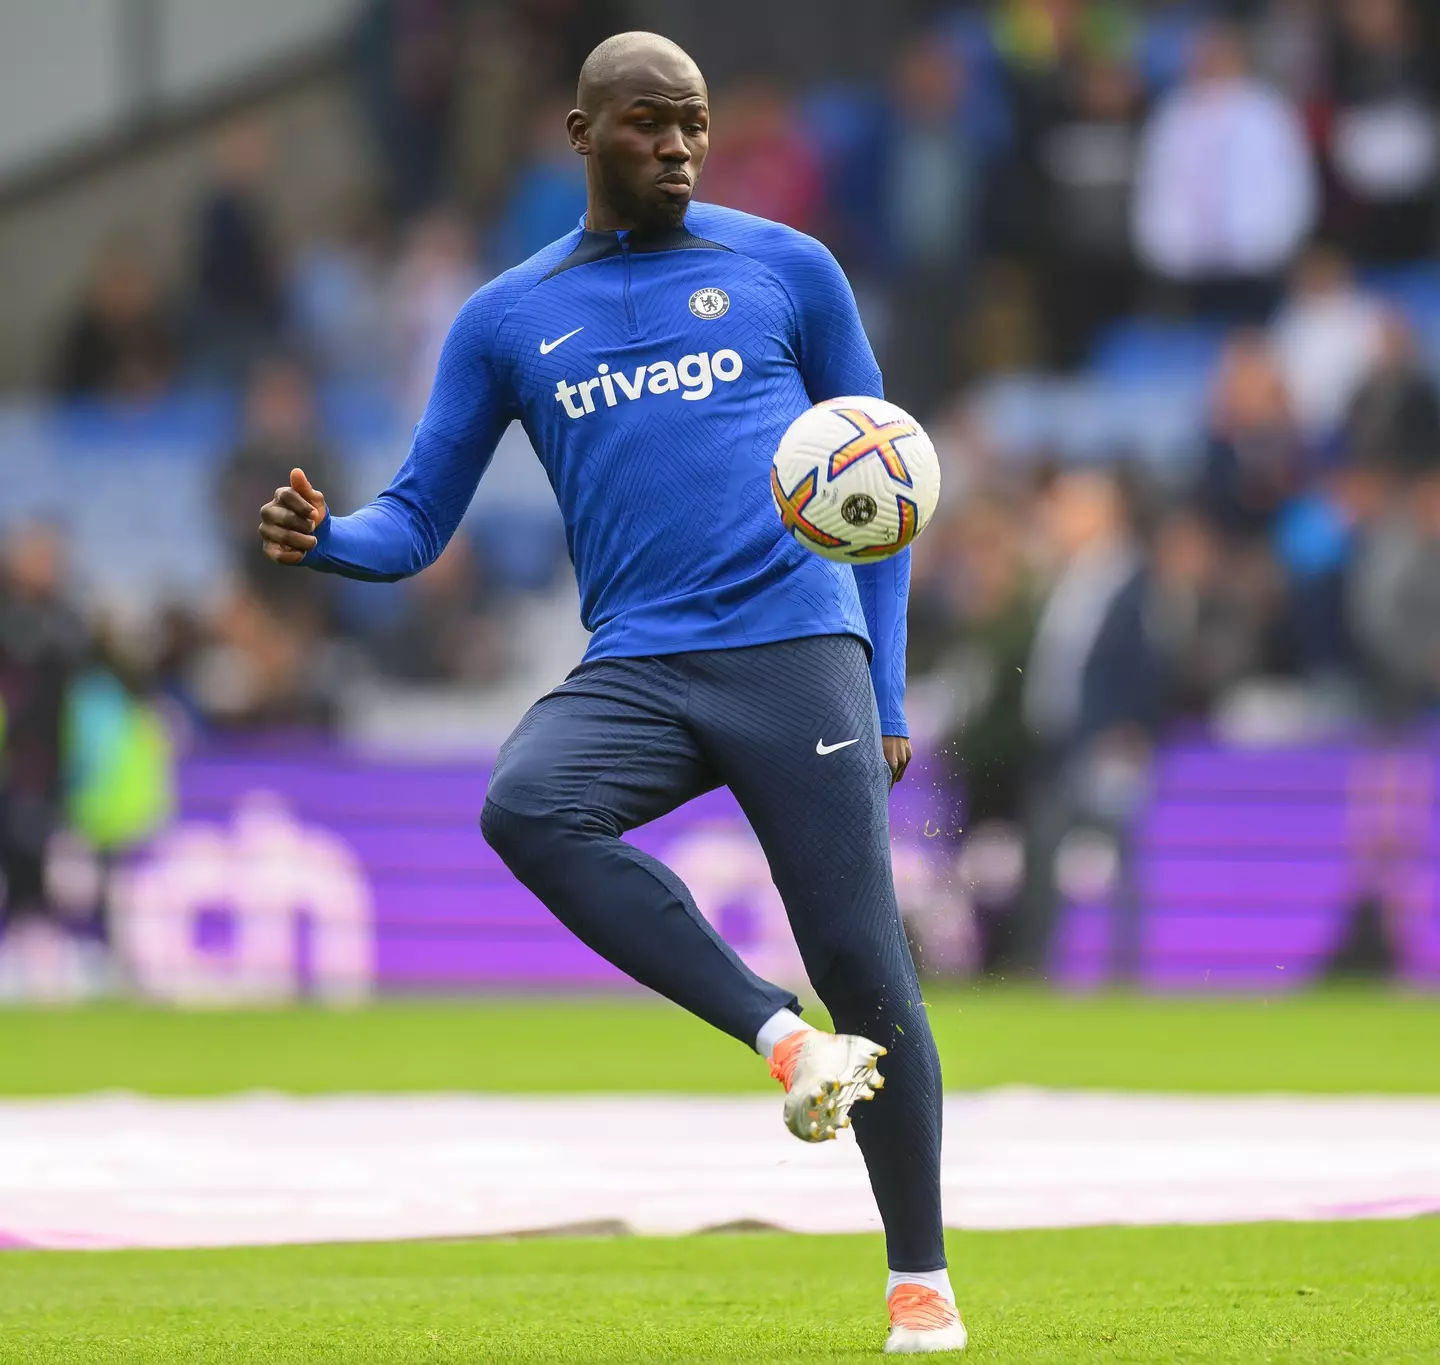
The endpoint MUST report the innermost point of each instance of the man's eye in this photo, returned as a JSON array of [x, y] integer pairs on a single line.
[[694, 129], [645, 124]]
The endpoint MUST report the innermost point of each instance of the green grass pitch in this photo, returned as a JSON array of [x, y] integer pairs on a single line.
[[1291, 1292], [1268, 1292], [1334, 1042]]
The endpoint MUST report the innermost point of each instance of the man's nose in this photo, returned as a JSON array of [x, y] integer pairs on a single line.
[[671, 146]]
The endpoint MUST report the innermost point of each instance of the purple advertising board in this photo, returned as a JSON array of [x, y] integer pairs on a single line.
[[325, 872]]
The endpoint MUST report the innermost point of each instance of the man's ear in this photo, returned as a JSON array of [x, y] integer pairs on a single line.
[[577, 125]]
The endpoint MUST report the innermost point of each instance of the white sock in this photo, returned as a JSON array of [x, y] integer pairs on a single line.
[[779, 1025], [938, 1280]]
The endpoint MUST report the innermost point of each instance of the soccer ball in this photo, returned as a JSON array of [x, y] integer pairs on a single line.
[[855, 479]]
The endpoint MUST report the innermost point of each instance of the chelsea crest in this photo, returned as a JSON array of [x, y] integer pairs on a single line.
[[709, 303]]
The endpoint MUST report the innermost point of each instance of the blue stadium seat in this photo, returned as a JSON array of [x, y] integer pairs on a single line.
[[357, 413], [202, 421], [1415, 291], [1089, 419], [1146, 352]]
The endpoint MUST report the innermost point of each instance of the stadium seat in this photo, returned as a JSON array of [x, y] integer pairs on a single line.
[[1141, 351], [1092, 419], [1415, 291]]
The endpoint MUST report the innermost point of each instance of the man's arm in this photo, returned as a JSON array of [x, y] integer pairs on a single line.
[[836, 361], [408, 525]]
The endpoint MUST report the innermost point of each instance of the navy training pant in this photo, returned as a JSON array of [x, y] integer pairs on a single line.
[[623, 741]]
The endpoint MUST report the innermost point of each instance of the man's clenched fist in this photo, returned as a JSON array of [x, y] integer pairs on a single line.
[[289, 519]]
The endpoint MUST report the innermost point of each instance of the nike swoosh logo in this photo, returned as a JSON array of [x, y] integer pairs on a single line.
[[822, 748], [547, 346]]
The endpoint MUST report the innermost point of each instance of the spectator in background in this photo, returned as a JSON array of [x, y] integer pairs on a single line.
[[1093, 696], [973, 619], [1043, 41], [1040, 44], [1254, 458], [119, 344], [1213, 624], [1291, 42], [547, 195], [1384, 143], [930, 201], [1394, 419], [444, 632], [281, 433], [1036, 37], [976, 617], [43, 645], [120, 773], [1315, 543], [261, 669], [1225, 191], [1086, 164], [1327, 337], [1395, 602], [237, 311], [337, 300], [434, 276], [1091, 667], [407, 61], [763, 162]]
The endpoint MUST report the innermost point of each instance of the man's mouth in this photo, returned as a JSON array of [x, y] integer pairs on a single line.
[[674, 182]]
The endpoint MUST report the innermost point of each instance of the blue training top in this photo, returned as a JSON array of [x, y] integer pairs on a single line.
[[655, 376]]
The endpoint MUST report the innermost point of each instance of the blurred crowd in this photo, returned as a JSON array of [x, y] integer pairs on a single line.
[[1064, 619], [1026, 179]]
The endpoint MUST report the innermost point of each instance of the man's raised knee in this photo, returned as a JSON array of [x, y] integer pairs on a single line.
[[527, 834], [498, 827]]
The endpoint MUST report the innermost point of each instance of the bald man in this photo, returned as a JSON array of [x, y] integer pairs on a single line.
[[654, 356]]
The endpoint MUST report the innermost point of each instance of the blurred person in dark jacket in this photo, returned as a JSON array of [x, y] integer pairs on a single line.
[[980, 607], [1086, 161], [119, 344], [43, 646], [1316, 540], [1383, 139], [1092, 667], [1255, 457], [1394, 418], [1093, 699], [975, 618], [1214, 615], [281, 433], [238, 300], [1394, 602]]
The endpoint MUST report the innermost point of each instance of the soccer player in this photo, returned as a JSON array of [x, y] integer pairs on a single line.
[[654, 356]]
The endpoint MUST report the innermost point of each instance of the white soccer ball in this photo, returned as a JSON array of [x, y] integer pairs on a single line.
[[855, 479]]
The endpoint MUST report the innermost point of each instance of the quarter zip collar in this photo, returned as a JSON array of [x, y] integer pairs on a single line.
[[599, 246], [662, 239]]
